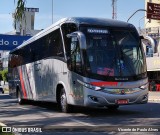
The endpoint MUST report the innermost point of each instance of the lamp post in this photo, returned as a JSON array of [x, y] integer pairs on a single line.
[[140, 20], [140, 24], [52, 11], [135, 13]]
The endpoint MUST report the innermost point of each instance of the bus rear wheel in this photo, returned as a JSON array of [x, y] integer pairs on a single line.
[[64, 106], [19, 97]]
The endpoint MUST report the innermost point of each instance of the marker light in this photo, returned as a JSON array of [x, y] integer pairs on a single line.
[[90, 86]]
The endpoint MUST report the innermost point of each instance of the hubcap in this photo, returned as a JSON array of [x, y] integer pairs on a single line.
[[63, 101], [19, 97]]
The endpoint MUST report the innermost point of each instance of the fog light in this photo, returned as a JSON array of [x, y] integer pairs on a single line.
[[145, 97], [93, 98]]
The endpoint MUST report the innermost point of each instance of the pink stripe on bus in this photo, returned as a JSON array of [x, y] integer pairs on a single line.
[[104, 83], [22, 84]]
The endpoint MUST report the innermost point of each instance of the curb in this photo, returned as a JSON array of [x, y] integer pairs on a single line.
[[158, 100], [153, 98]]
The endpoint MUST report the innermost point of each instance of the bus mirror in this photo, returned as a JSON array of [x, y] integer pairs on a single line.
[[71, 35], [151, 43], [78, 36]]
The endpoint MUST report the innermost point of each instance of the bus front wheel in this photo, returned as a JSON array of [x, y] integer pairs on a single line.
[[113, 107], [65, 107]]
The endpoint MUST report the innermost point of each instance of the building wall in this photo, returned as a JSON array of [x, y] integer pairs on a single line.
[[27, 24], [4, 59]]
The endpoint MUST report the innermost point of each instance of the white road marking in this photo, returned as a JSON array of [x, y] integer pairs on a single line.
[[81, 122]]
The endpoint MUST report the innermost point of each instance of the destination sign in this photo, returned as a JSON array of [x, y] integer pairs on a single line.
[[99, 31], [153, 11]]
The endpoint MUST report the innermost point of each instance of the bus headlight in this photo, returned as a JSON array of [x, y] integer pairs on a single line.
[[143, 87], [90, 86]]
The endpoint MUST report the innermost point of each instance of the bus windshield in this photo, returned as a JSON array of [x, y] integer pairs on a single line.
[[114, 53]]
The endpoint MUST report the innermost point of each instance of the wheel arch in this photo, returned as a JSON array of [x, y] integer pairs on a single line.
[[58, 90], [59, 86]]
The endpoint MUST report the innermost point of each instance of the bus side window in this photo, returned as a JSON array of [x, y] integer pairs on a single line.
[[76, 61]]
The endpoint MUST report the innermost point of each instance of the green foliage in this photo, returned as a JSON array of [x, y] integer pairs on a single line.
[[3, 74], [19, 12]]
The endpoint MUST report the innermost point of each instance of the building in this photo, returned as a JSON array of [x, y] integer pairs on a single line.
[[25, 28], [152, 31]]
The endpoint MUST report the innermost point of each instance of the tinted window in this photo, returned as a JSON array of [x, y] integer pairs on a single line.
[[68, 29], [47, 46], [113, 52], [76, 61]]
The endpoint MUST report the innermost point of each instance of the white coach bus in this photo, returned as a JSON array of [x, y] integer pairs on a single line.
[[88, 62]]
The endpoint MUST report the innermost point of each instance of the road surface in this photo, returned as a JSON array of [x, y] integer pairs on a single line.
[[48, 118]]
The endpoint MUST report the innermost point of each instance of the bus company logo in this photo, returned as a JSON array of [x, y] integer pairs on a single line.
[[121, 79], [6, 129], [21, 130], [122, 92]]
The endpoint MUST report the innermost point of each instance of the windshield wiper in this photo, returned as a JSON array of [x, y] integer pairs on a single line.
[[111, 66], [123, 57]]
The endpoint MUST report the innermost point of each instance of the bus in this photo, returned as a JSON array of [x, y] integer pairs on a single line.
[[90, 62]]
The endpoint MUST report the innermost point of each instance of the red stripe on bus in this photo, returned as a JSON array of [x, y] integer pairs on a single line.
[[22, 84], [104, 83]]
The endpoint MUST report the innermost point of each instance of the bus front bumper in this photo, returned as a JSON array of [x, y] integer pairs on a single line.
[[102, 99]]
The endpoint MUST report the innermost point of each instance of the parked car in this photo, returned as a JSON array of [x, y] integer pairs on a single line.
[[1, 90]]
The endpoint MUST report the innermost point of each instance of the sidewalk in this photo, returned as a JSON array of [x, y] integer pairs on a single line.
[[154, 96]]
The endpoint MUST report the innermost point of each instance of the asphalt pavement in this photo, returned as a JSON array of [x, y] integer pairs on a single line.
[[82, 120]]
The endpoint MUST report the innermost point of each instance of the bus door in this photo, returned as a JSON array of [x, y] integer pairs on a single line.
[[75, 66], [38, 80]]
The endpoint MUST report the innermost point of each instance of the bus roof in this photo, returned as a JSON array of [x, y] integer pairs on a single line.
[[78, 21], [97, 21]]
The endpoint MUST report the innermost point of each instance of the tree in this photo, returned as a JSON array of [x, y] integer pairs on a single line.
[[4, 74], [19, 12]]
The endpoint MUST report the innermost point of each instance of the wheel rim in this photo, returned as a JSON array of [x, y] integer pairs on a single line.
[[63, 101], [19, 97]]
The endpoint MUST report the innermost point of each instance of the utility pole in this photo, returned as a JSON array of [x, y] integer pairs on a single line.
[[52, 11], [114, 9], [135, 13]]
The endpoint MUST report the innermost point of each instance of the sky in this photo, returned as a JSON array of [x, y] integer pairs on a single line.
[[72, 8]]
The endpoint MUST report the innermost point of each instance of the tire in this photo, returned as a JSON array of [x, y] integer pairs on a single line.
[[113, 107], [19, 98], [64, 106]]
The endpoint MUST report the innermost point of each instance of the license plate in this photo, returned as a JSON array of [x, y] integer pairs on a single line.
[[122, 101]]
